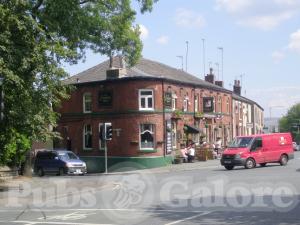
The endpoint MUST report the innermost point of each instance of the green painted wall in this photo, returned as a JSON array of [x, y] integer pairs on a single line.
[[95, 164]]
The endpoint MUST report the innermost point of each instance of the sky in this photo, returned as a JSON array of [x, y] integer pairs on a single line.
[[260, 41]]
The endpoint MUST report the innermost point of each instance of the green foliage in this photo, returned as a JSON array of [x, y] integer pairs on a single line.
[[291, 122], [36, 37]]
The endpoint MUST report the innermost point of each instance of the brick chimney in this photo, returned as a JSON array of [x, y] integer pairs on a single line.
[[237, 87], [210, 77], [219, 83], [116, 72]]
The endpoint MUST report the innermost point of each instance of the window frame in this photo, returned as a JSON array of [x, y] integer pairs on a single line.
[[85, 102], [146, 100], [84, 134], [140, 137], [100, 141]]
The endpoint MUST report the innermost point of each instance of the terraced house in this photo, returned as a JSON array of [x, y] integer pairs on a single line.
[[154, 109]]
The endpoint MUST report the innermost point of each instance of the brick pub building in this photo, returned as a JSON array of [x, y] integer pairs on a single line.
[[153, 108]]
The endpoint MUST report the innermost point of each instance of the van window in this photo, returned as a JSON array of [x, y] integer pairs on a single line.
[[241, 142], [256, 144]]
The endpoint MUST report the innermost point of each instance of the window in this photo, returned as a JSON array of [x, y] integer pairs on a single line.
[[147, 136], [220, 104], [196, 103], [227, 105], [87, 136], [185, 104], [146, 99], [174, 101], [101, 143], [87, 103]]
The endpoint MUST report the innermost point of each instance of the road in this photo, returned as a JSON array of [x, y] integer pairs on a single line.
[[201, 195]]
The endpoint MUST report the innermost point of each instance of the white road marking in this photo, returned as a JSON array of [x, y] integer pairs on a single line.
[[27, 222], [70, 216], [129, 210], [188, 218]]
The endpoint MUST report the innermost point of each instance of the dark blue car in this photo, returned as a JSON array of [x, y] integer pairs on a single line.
[[58, 162]]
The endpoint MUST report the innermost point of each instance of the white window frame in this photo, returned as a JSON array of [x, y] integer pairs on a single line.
[[85, 133], [84, 100], [174, 102], [100, 141], [220, 104], [146, 99], [185, 104], [140, 138], [196, 103]]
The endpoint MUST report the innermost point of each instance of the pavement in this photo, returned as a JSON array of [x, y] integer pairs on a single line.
[[185, 194]]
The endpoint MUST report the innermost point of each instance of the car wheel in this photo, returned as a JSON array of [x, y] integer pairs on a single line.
[[61, 171], [40, 172], [229, 167], [263, 164], [283, 160], [250, 163]]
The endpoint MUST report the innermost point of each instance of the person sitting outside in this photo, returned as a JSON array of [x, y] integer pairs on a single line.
[[191, 152]]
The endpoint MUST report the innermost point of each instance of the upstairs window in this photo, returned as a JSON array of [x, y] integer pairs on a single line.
[[174, 102], [185, 104], [146, 99], [196, 103], [87, 103]]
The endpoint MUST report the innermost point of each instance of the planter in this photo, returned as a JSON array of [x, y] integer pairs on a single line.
[[177, 160]]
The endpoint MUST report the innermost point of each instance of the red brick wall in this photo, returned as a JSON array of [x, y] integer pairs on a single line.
[[125, 100]]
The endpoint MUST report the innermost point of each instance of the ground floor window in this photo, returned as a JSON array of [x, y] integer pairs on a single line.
[[87, 136], [101, 142], [147, 136]]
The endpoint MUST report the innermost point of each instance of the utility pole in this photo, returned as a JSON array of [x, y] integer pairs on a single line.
[[203, 54], [222, 50]]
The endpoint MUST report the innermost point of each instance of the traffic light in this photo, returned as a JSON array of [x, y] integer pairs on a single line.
[[108, 131]]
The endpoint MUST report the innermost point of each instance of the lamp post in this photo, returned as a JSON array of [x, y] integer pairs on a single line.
[[203, 52], [222, 50], [186, 57]]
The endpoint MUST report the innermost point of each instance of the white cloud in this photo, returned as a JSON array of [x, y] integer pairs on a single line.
[[264, 15], [294, 44], [163, 40], [266, 22], [144, 32], [189, 19], [278, 56], [233, 6]]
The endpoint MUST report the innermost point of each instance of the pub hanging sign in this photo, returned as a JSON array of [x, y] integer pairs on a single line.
[[208, 104], [105, 98]]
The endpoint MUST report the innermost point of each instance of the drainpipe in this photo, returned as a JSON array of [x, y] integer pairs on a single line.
[[164, 122]]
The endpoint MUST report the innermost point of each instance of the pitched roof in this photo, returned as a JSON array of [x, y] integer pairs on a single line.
[[144, 68]]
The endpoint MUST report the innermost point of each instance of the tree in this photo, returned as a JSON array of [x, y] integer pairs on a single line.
[[291, 122], [36, 37]]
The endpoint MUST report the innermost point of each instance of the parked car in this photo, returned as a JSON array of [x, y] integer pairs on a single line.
[[58, 162], [260, 149], [296, 147]]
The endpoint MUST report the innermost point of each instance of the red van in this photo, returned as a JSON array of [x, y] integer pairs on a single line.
[[248, 151]]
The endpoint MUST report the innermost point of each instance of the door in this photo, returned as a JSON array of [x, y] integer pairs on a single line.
[[257, 150]]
